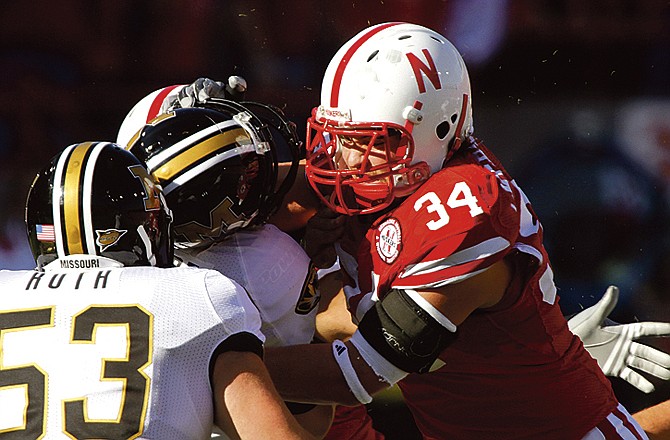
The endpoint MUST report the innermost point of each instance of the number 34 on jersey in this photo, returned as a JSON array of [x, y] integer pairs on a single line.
[[389, 233]]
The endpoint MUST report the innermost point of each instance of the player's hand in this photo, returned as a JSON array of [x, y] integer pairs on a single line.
[[322, 231], [202, 89], [614, 346]]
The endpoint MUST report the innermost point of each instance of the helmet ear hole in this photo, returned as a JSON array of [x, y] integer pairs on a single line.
[[442, 130]]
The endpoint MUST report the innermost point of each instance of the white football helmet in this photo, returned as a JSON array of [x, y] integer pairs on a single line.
[[182, 95], [392, 80], [144, 111]]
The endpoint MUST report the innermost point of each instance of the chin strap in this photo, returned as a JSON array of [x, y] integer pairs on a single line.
[[458, 140], [406, 183]]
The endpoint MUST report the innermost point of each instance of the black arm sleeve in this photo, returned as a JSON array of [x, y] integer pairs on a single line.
[[404, 333], [243, 341]]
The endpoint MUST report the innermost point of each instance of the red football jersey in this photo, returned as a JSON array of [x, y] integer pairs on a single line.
[[352, 423], [515, 370]]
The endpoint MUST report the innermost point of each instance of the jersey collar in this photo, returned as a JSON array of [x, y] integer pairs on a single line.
[[79, 262]]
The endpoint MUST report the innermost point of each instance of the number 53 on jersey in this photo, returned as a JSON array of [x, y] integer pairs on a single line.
[[106, 348]]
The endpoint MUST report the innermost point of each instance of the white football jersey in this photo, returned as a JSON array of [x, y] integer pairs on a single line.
[[277, 274], [109, 352]]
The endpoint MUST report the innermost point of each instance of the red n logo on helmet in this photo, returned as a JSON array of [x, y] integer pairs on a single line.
[[429, 70]]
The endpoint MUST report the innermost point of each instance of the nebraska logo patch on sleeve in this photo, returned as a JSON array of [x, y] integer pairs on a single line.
[[310, 295], [388, 240]]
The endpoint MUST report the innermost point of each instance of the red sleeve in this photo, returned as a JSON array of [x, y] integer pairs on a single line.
[[464, 219]]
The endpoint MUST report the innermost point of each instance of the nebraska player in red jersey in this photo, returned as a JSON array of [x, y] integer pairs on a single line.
[[449, 282]]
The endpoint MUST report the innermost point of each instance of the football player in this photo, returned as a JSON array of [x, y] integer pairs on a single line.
[[614, 347], [448, 278], [298, 204], [105, 339], [217, 162]]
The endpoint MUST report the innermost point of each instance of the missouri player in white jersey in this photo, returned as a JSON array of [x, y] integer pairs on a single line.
[[218, 164], [271, 264], [448, 278], [105, 339]]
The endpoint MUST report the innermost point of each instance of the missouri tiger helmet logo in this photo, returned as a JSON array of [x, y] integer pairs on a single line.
[[108, 237]]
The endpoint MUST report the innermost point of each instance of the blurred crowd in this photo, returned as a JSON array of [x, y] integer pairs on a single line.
[[572, 95]]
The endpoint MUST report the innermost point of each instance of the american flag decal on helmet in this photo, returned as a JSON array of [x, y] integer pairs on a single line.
[[45, 232]]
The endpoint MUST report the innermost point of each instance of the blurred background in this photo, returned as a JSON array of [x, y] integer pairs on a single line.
[[572, 95]]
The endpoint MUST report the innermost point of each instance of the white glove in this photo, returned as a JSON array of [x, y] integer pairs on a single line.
[[204, 88], [613, 346]]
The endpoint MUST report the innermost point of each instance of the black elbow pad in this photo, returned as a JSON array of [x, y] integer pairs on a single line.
[[404, 333], [243, 341]]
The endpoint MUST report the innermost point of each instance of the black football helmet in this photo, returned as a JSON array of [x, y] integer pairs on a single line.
[[96, 198], [218, 165]]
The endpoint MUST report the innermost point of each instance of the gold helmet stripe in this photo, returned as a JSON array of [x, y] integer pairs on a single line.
[[73, 180], [187, 158], [72, 198]]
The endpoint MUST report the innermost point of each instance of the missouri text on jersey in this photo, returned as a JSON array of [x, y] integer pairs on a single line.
[[79, 264]]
